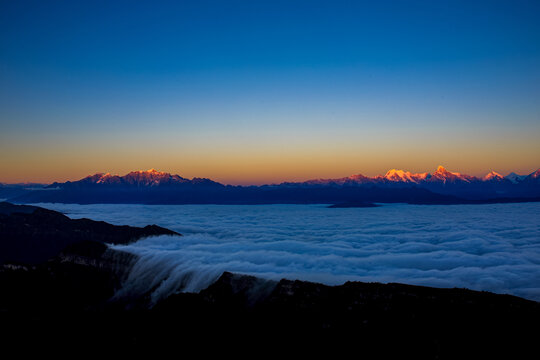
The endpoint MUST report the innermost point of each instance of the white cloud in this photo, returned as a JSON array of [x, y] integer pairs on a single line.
[[482, 247]]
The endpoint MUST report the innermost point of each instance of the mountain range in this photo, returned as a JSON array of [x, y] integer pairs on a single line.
[[440, 176], [135, 179], [492, 185], [155, 187]]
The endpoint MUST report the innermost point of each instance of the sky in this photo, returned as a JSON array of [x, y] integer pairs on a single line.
[[252, 92]]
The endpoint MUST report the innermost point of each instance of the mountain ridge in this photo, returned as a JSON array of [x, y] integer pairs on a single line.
[[153, 177], [150, 177], [440, 174], [156, 187]]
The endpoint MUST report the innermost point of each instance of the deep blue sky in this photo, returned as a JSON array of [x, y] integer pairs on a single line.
[[263, 91]]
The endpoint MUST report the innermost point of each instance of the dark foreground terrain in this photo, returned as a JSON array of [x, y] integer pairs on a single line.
[[66, 304]]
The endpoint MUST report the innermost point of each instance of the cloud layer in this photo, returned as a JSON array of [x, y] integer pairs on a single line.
[[482, 247]]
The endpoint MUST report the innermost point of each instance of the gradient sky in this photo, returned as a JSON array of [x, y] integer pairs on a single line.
[[267, 91]]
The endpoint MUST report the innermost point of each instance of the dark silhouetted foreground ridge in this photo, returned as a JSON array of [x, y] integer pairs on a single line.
[[68, 302], [31, 234]]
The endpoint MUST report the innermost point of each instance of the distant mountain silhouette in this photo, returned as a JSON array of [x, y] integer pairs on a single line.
[[493, 185], [9, 191], [396, 186], [135, 179]]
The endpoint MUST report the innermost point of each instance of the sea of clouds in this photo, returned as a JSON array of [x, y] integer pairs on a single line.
[[483, 247]]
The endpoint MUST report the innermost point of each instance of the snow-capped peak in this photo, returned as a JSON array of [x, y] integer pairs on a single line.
[[492, 175], [399, 175], [515, 178], [404, 176], [140, 177], [441, 174], [103, 178], [149, 172], [441, 169]]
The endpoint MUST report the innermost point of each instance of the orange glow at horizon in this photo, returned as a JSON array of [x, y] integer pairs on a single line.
[[264, 160], [246, 170]]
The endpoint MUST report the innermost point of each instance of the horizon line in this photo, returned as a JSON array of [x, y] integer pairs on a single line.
[[242, 183]]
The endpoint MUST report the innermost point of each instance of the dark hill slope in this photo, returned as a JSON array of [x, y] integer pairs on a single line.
[[30, 234]]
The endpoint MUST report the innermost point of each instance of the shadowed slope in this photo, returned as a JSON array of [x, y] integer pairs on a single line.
[[31, 234]]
